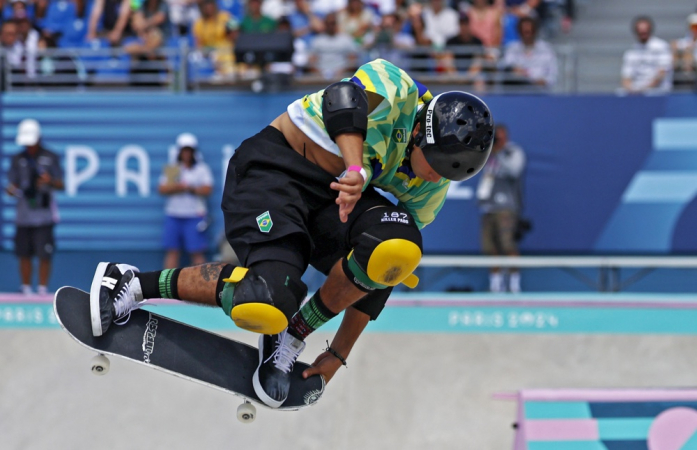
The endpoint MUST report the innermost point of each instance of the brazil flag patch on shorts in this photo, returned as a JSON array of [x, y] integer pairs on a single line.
[[265, 223]]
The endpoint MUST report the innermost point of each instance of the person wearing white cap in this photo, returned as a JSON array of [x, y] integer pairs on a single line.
[[186, 185], [685, 54], [35, 173]]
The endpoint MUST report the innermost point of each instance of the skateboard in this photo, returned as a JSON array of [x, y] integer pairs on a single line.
[[180, 350]]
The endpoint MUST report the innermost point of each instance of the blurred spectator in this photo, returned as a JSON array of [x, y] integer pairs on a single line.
[[109, 19], [401, 8], [29, 38], [11, 45], [324, 7], [182, 14], [304, 23], [389, 41], [333, 53], [149, 23], [500, 198], [440, 24], [214, 33], [485, 22], [356, 19], [382, 7], [522, 8], [276, 9], [40, 9], [186, 185], [254, 21], [556, 15], [421, 56], [530, 61], [514, 10], [21, 10], [684, 52], [465, 53], [35, 173], [647, 68]]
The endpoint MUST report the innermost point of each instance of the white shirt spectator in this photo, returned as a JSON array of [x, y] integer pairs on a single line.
[[440, 26], [187, 205], [324, 7], [642, 64], [332, 53], [277, 8], [15, 54], [539, 61], [383, 6]]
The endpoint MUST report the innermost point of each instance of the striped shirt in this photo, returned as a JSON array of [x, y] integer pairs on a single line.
[[642, 64], [390, 126]]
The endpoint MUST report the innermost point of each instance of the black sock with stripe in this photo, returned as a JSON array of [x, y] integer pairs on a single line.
[[159, 284], [312, 315]]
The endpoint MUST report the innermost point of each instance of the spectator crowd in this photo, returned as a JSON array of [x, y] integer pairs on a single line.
[[486, 41], [483, 43]]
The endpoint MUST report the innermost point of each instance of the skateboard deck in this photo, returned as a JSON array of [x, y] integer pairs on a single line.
[[179, 349]]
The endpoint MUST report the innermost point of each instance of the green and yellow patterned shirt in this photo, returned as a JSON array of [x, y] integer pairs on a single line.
[[389, 128]]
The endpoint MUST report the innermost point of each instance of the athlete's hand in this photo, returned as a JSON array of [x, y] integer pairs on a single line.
[[326, 365], [350, 188]]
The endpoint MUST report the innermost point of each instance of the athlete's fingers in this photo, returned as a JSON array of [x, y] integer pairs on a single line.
[[344, 211], [348, 188], [325, 365], [351, 182]]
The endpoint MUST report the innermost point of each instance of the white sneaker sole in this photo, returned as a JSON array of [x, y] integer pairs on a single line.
[[95, 312], [258, 389]]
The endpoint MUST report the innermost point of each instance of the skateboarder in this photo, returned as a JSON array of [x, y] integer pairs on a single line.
[[302, 191]]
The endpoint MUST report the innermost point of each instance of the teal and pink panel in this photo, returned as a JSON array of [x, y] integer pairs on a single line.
[[651, 419]]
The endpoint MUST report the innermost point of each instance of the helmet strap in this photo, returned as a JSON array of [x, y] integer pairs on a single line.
[[410, 147]]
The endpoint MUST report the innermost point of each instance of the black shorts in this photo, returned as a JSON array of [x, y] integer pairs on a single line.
[[34, 241], [273, 195], [269, 181]]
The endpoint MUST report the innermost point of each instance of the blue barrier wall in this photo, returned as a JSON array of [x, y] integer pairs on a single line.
[[605, 174]]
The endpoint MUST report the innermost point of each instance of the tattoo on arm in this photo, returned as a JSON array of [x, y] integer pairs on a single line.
[[211, 271]]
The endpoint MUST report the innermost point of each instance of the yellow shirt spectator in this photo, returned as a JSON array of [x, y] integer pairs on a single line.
[[212, 33]]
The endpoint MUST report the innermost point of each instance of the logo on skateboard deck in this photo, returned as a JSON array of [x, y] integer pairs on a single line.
[[265, 223], [149, 338], [312, 396]]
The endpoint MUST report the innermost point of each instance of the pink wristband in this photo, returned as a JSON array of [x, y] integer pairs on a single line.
[[358, 169]]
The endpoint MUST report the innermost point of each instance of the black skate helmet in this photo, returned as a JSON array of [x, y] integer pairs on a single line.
[[456, 134]]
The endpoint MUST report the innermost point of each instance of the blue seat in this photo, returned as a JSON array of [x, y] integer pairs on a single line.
[[59, 15], [234, 7], [510, 29]]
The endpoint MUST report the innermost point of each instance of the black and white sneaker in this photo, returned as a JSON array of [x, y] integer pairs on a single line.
[[277, 355], [115, 292]]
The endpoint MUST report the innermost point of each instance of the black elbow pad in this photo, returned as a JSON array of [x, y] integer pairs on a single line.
[[345, 109]]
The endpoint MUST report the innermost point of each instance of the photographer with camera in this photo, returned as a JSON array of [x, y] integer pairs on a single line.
[[500, 196], [35, 173]]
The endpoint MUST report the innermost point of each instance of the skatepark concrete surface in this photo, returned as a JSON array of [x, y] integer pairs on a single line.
[[400, 391]]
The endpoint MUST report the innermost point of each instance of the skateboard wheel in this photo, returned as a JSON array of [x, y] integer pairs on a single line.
[[100, 365], [246, 413]]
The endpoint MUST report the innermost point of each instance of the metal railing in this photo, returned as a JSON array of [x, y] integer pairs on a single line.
[[185, 69]]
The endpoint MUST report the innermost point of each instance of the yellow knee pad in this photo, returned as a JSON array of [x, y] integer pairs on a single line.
[[392, 262], [253, 314]]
